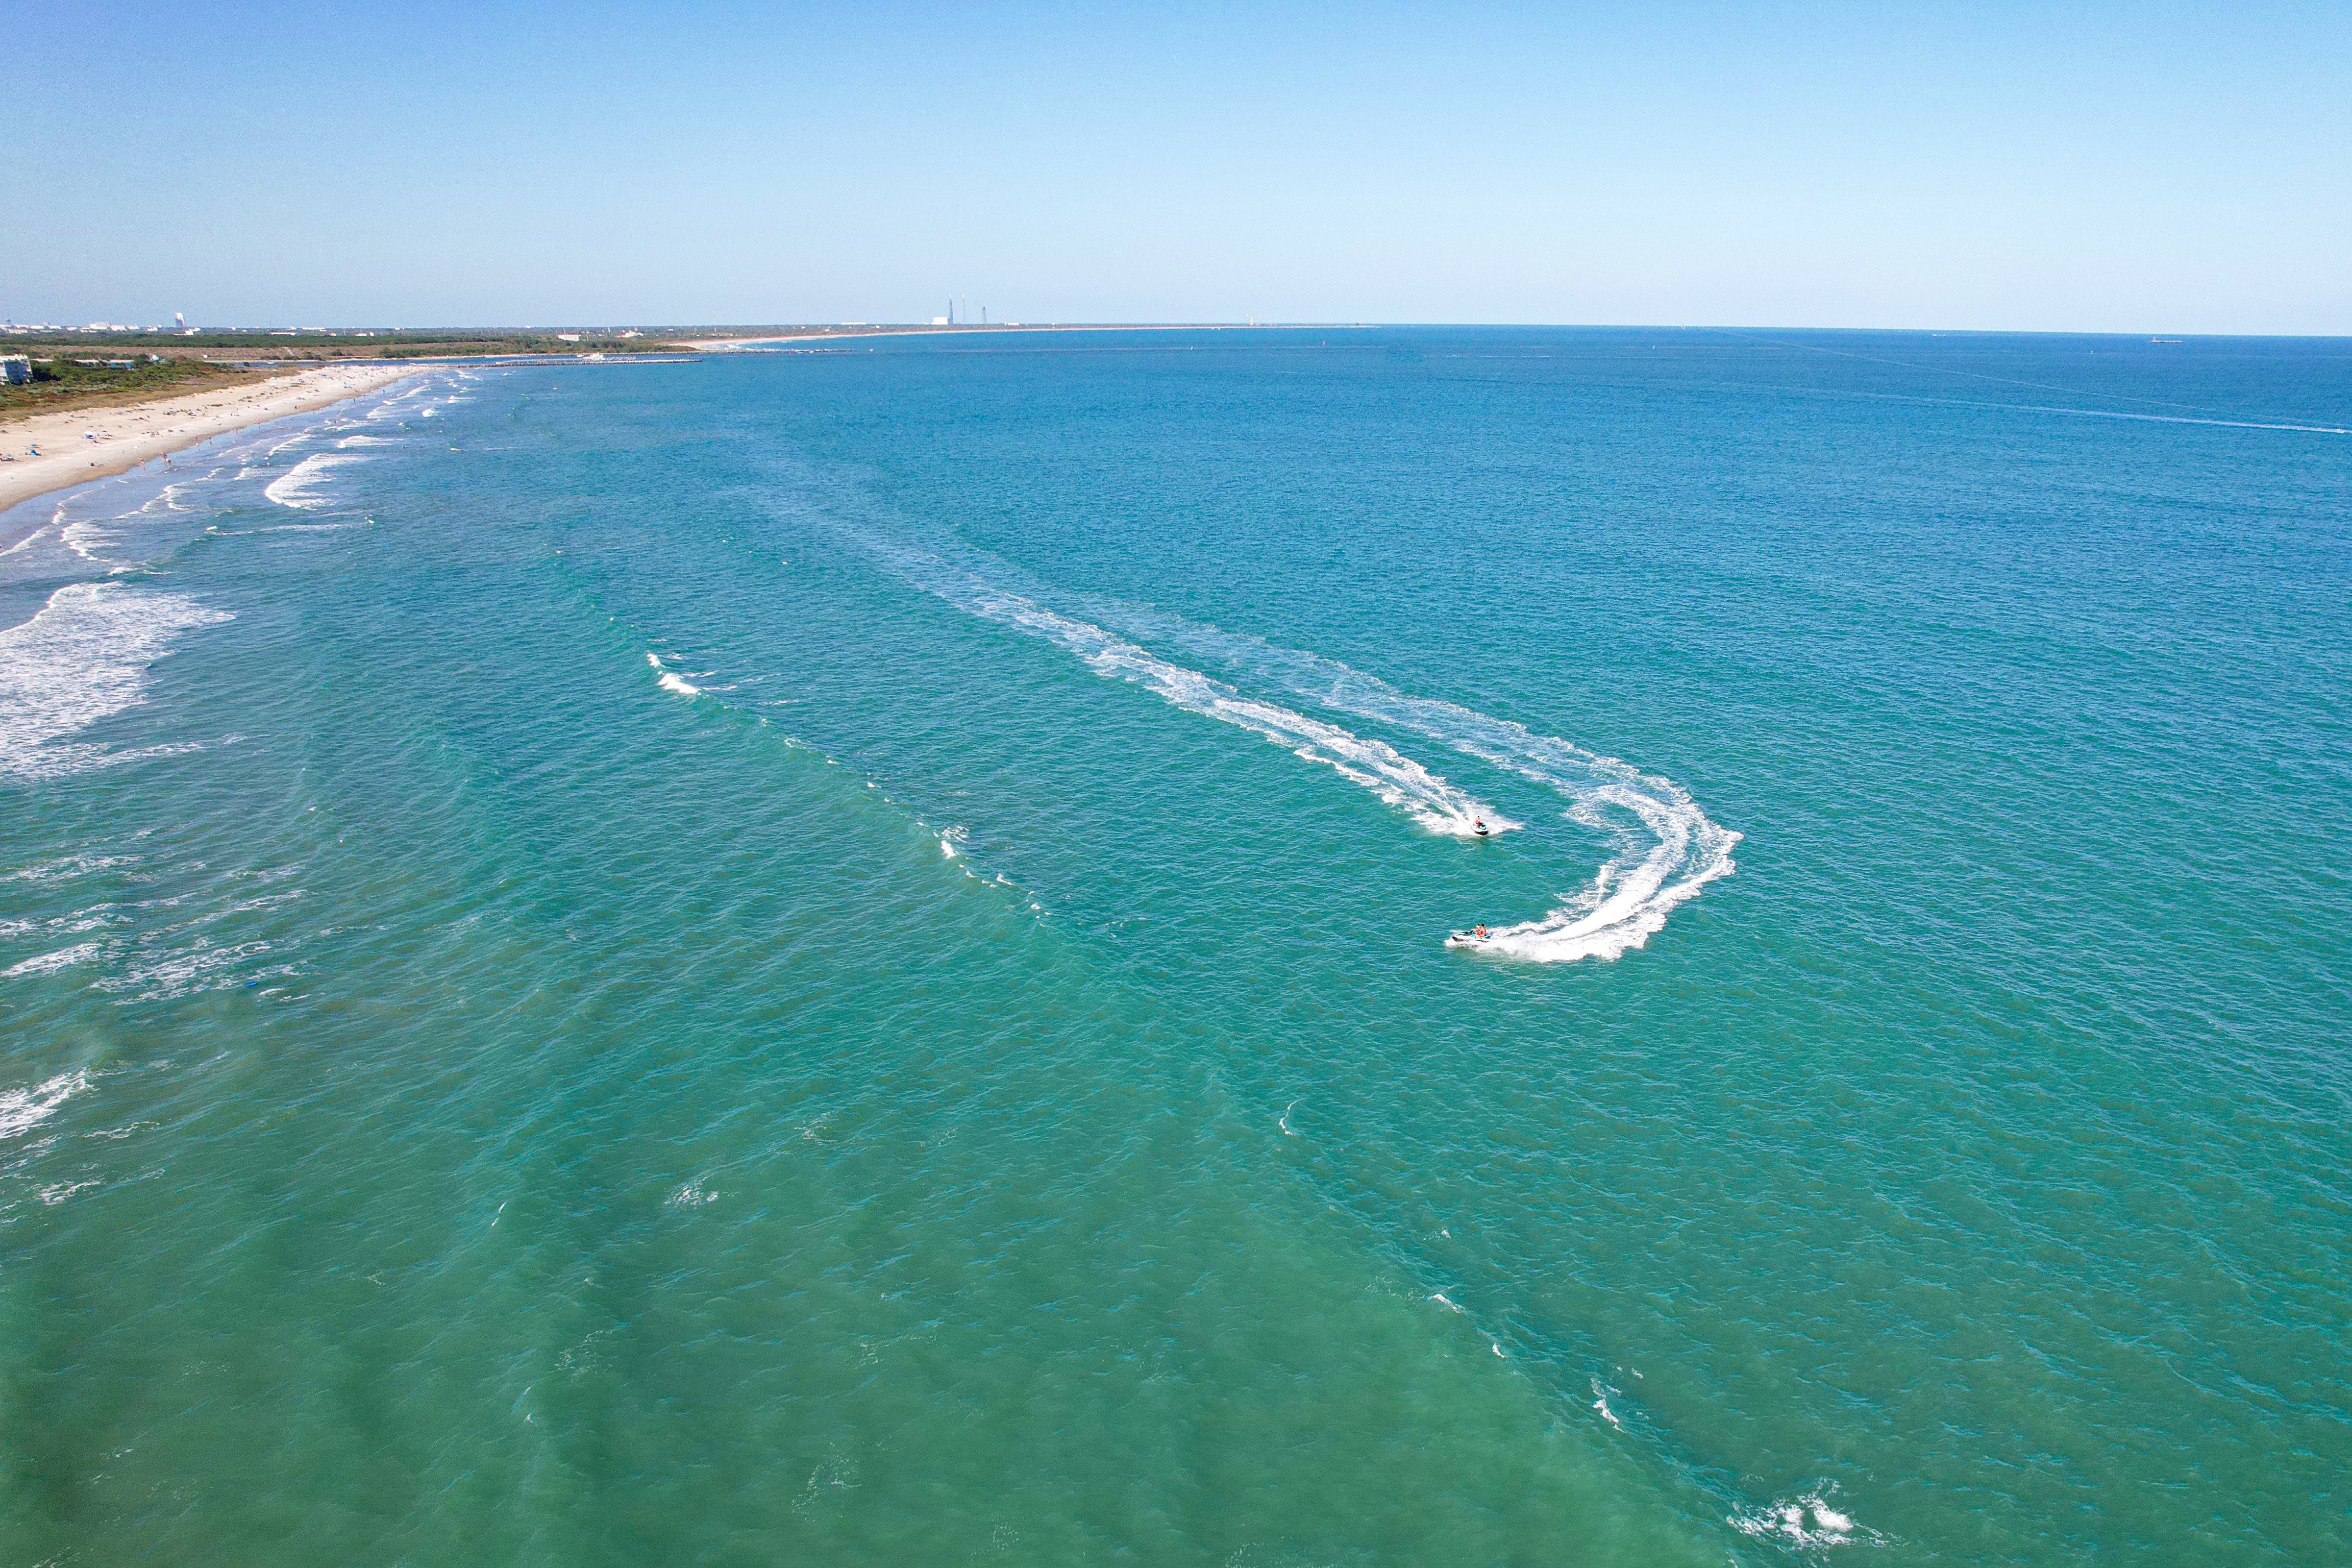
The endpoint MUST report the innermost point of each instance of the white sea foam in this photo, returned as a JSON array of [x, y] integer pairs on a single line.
[[1808, 1521], [97, 527], [86, 539], [66, 866], [299, 486], [82, 657], [49, 963], [57, 520], [184, 971], [22, 1110], [670, 681]]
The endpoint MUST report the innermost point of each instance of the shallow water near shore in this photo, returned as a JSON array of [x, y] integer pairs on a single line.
[[845, 957]]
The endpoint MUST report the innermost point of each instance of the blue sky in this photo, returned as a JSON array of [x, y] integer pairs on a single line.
[[2083, 167]]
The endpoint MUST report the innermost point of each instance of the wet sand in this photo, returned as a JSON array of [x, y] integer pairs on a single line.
[[44, 452]]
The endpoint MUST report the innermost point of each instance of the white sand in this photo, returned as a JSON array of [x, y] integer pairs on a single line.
[[93, 443]]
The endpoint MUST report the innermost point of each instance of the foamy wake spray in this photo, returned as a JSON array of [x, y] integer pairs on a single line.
[[1395, 778], [1664, 849]]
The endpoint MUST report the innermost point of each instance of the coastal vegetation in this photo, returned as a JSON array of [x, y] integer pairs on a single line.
[[338, 344], [63, 381], [389, 342], [101, 369], [93, 369]]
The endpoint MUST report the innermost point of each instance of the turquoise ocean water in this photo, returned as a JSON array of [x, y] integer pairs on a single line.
[[842, 958]]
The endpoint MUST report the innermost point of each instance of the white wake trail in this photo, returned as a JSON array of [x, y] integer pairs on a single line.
[[1666, 848], [1374, 764]]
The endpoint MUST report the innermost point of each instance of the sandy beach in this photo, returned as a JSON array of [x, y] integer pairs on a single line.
[[46, 452]]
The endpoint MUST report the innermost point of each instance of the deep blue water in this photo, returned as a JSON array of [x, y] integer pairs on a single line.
[[843, 957]]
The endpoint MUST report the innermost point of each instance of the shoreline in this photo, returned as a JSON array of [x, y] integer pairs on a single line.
[[75, 447]]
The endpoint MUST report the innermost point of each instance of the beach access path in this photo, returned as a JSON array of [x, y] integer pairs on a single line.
[[44, 452]]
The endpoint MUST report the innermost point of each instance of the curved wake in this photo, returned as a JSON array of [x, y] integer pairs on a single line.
[[1664, 848], [1375, 765]]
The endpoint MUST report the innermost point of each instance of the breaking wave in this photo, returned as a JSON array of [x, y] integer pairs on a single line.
[[670, 680], [1809, 1523], [298, 487], [84, 656], [22, 1110]]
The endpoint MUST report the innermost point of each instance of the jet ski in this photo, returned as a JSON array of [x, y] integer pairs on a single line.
[[1478, 826]]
